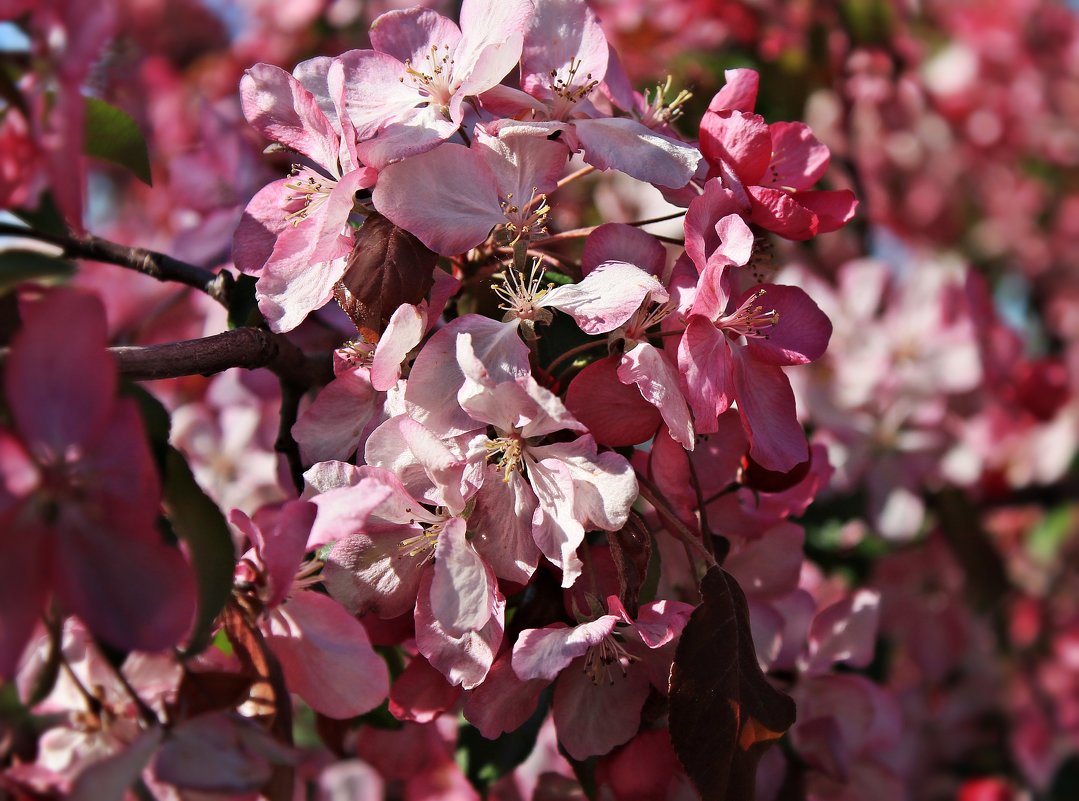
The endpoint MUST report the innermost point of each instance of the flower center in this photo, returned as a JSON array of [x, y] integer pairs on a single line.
[[433, 77], [648, 315], [748, 320], [308, 191], [523, 220], [519, 295], [658, 109], [567, 91], [509, 450], [600, 660]]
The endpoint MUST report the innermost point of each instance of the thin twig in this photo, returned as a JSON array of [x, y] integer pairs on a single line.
[[149, 262], [573, 176], [572, 352]]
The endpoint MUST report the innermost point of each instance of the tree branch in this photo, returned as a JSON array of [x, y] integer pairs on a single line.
[[148, 262], [249, 348]]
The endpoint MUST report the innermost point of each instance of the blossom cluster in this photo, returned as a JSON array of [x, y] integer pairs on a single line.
[[507, 421]]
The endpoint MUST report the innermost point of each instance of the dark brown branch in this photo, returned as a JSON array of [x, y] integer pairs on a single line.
[[249, 348], [157, 265]]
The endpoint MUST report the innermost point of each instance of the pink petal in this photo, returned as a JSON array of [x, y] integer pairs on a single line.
[[657, 379], [326, 656], [659, 622], [60, 388], [766, 404], [219, 753], [339, 418], [501, 525], [592, 718], [739, 93], [521, 157], [493, 41], [615, 414], [414, 131], [628, 146], [703, 213], [436, 377], [421, 693], [374, 92], [800, 336], [24, 551], [374, 574], [462, 588], [411, 33], [607, 297], [561, 34], [556, 530], [503, 702], [544, 653], [112, 578], [443, 217], [282, 110], [465, 659], [704, 358], [403, 332], [111, 777], [782, 213], [281, 545], [308, 259], [769, 567], [832, 209], [618, 242], [844, 632], [738, 139], [264, 219], [798, 158]]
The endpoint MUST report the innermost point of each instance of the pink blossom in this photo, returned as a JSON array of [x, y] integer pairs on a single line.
[[408, 94], [324, 652], [501, 180], [770, 168], [294, 235], [80, 496]]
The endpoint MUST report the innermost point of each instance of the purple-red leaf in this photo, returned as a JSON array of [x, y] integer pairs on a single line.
[[724, 712], [388, 266]]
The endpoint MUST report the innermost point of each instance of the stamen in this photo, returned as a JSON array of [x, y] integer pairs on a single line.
[[424, 541], [748, 320], [524, 221], [519, 295], [658, 110], [511, 449], [311, 188], [599, 659]]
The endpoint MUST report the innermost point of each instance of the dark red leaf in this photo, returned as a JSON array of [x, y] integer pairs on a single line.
[[631, 551], [388, 266], [724, 712]]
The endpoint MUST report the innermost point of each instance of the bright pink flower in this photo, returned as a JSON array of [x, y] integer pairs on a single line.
[[324, 652], [79, 494], [780, 325], [294, 235], [602, 670], [407, 95], [770, 168], [392, 554]]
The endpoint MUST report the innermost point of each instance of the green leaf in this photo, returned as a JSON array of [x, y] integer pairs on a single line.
[[1049, 534], [17, 266], [198, 522], [243, 305], [111, 135]]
